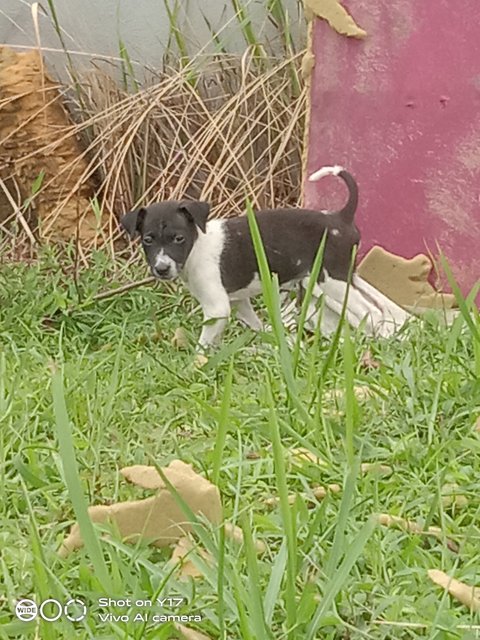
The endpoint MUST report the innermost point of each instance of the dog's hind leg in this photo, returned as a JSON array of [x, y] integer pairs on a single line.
[[247, 315]]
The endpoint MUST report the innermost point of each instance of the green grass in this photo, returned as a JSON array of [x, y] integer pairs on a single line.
[[85, 394]]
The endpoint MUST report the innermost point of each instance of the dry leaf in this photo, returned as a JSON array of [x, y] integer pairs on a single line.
[[387, 520], [334, 488], [180, 339], [452, 497], [275, 500], [308, 62], [181, 556], [367, 361], [337, 17], [236, 534], [375, 467], [190, 634], [404, 281], [477, 425], [302, 455], [318, 492], [159, 519], [362, 392], [333, 398], [467, 595], [184, 432]]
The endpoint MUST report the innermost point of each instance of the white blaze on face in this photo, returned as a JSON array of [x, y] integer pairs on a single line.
[[164, 262]]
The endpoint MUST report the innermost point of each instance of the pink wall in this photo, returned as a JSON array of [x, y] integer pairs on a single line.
[[401, 111]]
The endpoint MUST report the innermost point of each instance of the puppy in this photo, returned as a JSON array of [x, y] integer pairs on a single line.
[[217, 261]]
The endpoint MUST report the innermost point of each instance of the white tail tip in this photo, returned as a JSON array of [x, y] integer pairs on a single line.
[[325, 171]]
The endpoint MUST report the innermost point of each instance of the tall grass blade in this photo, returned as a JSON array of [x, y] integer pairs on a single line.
[[255, 594], [272, 594], [312, 283], [317, 395], [222, 428], [463, 304], [72, 479], [453, 338], [175, 30], [342, 520], [221, 582], [128, 74], [287, 514], [354, 550], [351, 407], [245, 25], [70, 65], [271, 296]]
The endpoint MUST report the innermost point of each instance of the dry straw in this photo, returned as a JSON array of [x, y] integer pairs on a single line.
[[221, 128]]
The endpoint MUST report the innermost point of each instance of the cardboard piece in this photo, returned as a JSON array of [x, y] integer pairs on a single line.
[[181, 556], [159, 519], [406, 282], [190, 634]]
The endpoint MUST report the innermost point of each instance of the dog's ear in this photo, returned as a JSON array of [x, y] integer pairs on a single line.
[[197, 212], [133, 220]]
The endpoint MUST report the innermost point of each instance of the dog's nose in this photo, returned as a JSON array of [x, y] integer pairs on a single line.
[[161, 270]]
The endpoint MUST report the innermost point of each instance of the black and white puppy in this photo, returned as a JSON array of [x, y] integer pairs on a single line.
[[217, 261]]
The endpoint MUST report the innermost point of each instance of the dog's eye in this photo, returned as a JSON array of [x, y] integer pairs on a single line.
[[179, 239], [147, 240]]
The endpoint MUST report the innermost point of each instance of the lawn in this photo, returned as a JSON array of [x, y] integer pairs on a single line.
[[330, 570]]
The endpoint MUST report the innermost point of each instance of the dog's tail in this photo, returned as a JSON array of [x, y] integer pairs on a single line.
[[348, 212]]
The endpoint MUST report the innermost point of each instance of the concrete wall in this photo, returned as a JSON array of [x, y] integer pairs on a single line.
[[92, 29]]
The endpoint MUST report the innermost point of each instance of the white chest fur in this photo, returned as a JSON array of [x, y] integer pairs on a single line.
[[201, 272]]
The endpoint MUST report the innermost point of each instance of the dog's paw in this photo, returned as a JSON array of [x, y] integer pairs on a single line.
[[200, 360]]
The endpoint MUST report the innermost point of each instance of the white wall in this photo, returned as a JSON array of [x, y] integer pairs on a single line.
[[92, 29]]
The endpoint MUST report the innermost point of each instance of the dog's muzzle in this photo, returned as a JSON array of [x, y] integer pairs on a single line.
[[164, 268], [162, 272]]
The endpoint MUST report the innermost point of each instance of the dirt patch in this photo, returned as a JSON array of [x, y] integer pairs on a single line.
[[37, 140]]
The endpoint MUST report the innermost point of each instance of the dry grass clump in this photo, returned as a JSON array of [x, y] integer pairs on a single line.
[[222, 131], [221, 134]]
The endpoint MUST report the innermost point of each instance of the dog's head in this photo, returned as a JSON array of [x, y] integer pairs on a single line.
[[168, 231]]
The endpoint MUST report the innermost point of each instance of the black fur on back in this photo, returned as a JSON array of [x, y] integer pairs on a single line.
[[291, 238]]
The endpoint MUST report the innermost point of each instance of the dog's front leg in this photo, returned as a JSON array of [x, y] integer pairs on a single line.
[[215, 318]]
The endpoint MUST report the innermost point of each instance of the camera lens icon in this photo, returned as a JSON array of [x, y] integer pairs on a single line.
[[75, 610], [26, 610]]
